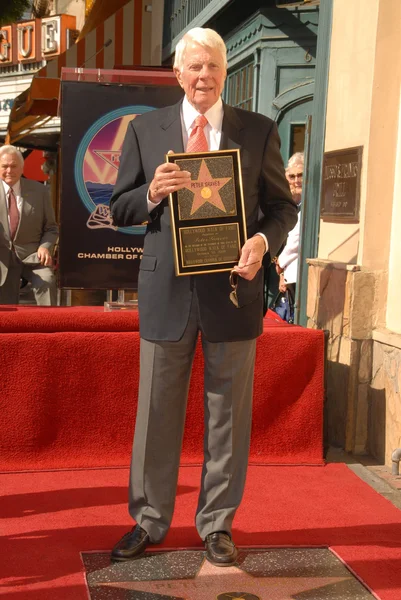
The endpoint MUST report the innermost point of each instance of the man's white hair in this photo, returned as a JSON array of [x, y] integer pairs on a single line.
[[7, 149], [296, 159], [203, 37]]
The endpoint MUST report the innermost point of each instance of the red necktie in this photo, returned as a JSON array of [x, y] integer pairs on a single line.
[[197, 141], [13, 213]]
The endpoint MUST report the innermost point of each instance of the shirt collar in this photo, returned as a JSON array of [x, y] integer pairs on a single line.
[[214, 115], [16, 187]]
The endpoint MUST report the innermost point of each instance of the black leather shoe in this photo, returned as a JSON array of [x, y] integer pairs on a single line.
[[131, 545], [220, 549]]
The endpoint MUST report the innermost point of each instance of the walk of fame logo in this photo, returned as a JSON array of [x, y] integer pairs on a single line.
[[112, 158], [96, 166], [101, 218]]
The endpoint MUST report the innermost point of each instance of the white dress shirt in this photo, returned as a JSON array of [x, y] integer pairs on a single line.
[[214, 125]]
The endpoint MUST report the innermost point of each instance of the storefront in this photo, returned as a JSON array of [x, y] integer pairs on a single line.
[[124, 38], [127, 37]]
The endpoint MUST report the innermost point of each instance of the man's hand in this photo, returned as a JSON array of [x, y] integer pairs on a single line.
[[44, 256], [251, 257], [282, 286], [168, 178]]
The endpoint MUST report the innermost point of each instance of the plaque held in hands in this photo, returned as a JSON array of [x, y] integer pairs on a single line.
[[208, 217]]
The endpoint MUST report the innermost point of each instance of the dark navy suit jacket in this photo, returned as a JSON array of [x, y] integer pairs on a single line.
[[164, 298]]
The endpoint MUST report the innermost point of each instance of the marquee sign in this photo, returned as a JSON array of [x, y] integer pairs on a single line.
[[36, 40]]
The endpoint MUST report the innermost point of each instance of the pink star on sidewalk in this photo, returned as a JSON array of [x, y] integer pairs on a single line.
[[214, 582]]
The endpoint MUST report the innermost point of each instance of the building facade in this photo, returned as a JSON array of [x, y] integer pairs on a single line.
[[350, 86], [353, 288], [27, 46]]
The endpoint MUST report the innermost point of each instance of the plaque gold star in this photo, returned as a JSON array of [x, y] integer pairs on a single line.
[[206, 189]]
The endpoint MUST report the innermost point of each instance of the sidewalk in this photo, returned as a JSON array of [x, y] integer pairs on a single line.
[[379, 477]]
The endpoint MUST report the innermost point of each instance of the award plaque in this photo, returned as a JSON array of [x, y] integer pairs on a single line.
[[208, 217]]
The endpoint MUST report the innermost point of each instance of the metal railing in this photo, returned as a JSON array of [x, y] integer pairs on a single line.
[[178, 14]]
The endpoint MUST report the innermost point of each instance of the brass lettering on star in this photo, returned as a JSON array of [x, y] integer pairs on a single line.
[[237, 596]]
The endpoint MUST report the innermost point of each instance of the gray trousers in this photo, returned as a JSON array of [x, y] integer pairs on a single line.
[[42, 279], [165, 370]]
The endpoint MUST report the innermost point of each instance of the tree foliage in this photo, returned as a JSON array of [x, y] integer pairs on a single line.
[[12, 11]]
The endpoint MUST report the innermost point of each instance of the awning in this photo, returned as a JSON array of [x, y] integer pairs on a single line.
[[31, 110], [111, 37]]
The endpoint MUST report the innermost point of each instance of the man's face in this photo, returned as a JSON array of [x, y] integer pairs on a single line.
[[294, 177], [202, 76], [10, 169]]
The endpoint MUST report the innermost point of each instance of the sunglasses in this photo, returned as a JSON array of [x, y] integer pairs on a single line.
[[234, 285], [294, 176]]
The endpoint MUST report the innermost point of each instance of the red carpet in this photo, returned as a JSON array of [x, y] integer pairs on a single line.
[[50, 517], [69, 380]]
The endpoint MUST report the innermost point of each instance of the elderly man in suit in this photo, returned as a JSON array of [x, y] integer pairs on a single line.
[[174, 310], [28, 232]]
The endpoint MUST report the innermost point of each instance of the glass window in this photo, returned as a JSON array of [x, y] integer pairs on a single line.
[[239, 87], [297, 141]]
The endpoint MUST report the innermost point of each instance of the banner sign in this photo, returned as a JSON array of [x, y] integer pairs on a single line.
[[93, 253]]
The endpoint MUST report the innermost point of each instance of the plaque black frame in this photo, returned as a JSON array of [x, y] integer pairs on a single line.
[[204, 224], [341, 214]]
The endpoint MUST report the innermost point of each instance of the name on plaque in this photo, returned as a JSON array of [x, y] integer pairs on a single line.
[[340, 197]]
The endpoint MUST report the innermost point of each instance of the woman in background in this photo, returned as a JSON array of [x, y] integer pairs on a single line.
[[287, 262]]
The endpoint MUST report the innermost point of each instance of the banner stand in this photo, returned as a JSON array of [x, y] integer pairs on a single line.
[[96, 108], [67, 297]]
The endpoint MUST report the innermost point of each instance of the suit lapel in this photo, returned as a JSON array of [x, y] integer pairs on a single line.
[[232, 129], [171, 124], [4, 211]]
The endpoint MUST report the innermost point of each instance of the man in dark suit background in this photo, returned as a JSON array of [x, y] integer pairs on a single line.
[[173, 310], [28, 232]]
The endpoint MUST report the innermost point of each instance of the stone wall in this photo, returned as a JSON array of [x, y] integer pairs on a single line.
[[385, 396], [363, 374]]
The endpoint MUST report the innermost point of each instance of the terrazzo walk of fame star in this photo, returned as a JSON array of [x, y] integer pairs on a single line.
[[260, 574]]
